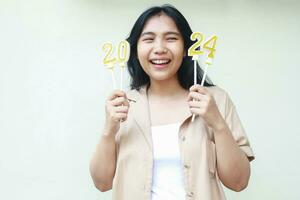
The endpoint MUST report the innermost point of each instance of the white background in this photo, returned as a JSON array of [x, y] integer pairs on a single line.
[[53, 88]]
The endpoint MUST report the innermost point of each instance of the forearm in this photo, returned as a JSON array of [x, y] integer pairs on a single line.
[[103, 162], [232, 163]]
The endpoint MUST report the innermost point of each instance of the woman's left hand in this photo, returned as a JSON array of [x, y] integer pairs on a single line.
[[202, 103]]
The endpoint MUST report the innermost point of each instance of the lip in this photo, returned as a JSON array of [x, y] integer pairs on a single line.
[[160, 66]]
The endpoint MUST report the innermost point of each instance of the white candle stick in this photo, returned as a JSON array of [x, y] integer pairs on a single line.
[[123, 56], [195, 58], [207, 62], [195, 69], [122, 73], [204, 75], [113, 78]]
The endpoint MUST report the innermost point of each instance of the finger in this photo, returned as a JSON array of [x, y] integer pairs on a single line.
[[196, 96], [196, 104], [197, 111], [122, 109], [198, 88], [119, 116], [116, 93], [126, 103], [119, 101]]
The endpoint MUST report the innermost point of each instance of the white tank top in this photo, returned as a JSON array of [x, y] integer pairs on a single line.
[[168, 183]]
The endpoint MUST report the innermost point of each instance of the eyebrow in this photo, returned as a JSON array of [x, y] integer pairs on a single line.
[[166, 33]]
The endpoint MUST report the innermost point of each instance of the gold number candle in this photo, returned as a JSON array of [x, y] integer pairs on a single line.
[[108, 61]]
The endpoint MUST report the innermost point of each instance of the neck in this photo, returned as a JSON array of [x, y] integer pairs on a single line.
[[165, 88]]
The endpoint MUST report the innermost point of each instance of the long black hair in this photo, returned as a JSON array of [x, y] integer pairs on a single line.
[[185, 73]]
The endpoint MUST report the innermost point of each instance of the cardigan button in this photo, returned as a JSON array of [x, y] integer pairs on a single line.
[[186, 166], [183, 138]]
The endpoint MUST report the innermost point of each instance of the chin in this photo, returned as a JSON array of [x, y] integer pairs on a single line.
[[160, 77]]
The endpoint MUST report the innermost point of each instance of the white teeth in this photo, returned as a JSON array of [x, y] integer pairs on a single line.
[[159, 62]]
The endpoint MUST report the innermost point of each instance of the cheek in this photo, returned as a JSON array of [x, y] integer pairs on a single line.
[[142, 57], [142, 53], [138, 51], [179, 56], [178, 50]]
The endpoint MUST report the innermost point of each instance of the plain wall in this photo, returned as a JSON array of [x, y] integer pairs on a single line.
[[53, 88]]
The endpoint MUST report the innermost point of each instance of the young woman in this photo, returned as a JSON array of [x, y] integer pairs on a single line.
[[150, 148]]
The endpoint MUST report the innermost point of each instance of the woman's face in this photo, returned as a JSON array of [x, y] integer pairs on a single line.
[[160, 48]]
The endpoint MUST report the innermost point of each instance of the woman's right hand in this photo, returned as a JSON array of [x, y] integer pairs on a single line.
[[116, 109]]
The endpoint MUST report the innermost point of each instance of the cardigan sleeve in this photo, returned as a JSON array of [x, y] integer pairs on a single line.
[[234, 123]]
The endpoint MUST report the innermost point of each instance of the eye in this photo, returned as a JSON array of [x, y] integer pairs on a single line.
[[171, 38], [148, 39]]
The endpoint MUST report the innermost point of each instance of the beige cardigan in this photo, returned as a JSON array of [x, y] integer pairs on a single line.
[[133, 176]]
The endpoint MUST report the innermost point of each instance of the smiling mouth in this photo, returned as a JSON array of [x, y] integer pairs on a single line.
[[160, 61]]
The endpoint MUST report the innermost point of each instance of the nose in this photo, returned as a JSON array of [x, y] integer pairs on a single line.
[[160, 48]]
